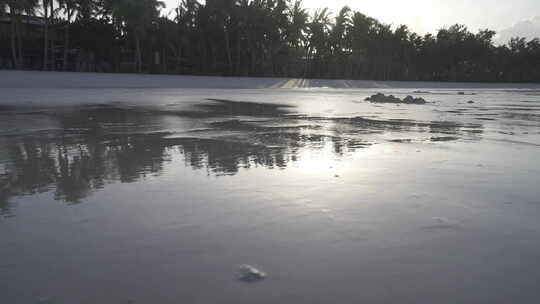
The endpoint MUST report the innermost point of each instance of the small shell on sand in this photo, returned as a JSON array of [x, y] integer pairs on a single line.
[[250, 274]]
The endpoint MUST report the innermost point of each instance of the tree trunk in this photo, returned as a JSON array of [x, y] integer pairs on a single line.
[[138, 53], [66, 45], [52, 48], [308, 62], [164, 61], [53, 55], [176, 53], [238, 55], [13, 38], [46, 36], [202, 59], [251, 51], [19, 44], [213, 57], [228, 51], [180, 52]]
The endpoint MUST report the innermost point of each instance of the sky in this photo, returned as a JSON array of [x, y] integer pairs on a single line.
[[510, 18]]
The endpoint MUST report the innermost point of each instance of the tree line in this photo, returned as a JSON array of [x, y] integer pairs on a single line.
[[258, 38]]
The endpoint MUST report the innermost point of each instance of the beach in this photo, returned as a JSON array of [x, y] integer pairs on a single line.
[[118, 188]]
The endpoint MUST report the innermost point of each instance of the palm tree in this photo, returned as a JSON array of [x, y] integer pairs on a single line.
[[181, 42], [318, 47], [339, 40], [358, 37], [134, 16], [12, 7], [46, 6], [17, 10], [277, 28], [70, 8], [222, 10], [53, 12], [86, 10], [338, 36], [296, 33], [9, 5], [296, 36], [3, 10]]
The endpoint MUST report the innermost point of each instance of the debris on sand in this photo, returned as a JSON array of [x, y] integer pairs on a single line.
[[412, 100], [461, 93], [250, 274], [444, 138], [470, 102], [402, 141], [381, 98]]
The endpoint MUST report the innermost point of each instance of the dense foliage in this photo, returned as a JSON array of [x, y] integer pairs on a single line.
[[265, 38]]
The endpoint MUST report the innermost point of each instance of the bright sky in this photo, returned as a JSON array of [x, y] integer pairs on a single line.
[[429, 15]]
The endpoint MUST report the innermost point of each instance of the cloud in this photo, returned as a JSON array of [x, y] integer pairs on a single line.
[[527, 28]]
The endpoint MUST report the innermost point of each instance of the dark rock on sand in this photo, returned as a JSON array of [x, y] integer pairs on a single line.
[[381, 98], [412, 100]]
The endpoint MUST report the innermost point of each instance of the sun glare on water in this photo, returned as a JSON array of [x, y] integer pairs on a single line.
[[316, 161]]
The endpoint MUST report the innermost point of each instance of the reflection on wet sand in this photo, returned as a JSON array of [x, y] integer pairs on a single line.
[[220, 107], [95, 145]]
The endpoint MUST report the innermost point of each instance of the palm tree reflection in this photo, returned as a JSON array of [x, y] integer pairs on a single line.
[[95, 146]]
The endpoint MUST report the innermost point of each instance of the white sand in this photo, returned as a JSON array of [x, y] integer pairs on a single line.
[[23, 79]]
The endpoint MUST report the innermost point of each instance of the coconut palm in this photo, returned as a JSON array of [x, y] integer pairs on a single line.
[[18, 9], [338, 35], [299, 17], [319, 48], [339, 42], [5, 6], [46, 12], [69, 9], [134, 17]]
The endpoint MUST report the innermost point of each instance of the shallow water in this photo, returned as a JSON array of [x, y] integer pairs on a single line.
[[159, 195]]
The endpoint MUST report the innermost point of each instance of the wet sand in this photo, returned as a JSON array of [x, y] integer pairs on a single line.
[[121, 193]]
